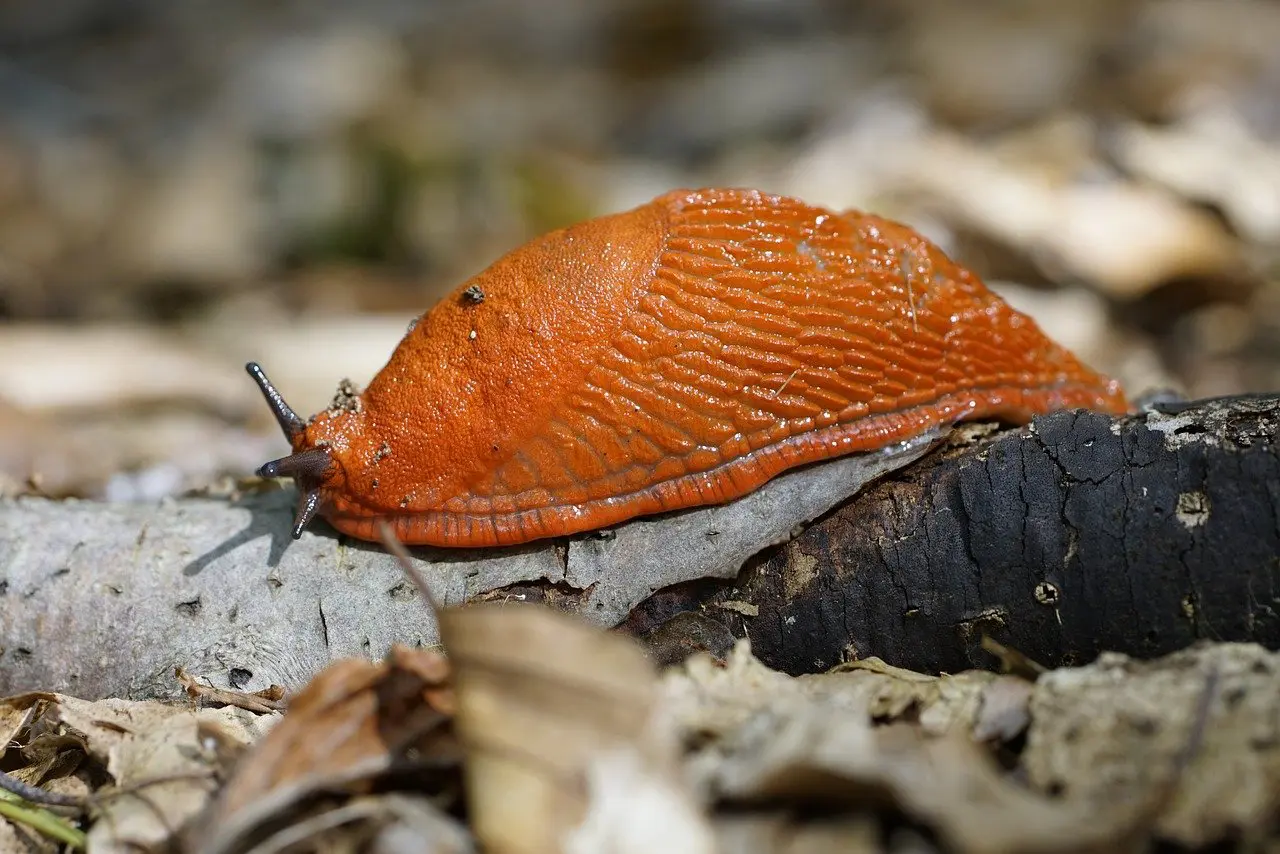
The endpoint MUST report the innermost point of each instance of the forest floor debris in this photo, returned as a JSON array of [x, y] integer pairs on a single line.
[[537, 732]]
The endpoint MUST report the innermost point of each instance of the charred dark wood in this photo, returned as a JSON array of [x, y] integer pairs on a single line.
[[1079, 534]]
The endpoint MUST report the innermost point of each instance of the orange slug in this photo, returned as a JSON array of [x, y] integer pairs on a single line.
[[675, 355]]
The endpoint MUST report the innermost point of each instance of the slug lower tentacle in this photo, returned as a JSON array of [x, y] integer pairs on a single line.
[[675, 355]]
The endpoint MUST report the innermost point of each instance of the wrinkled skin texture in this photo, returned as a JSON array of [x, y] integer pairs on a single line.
[[675, 355]]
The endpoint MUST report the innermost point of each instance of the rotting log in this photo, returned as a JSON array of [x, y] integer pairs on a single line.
[[1078, 534]]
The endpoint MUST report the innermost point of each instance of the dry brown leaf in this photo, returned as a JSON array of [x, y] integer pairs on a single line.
[[767, 739], [712, 698], [160, 754], [938, 703], [780, 833], [110, 725], [389, 823], [565, 748], [708, 698], [1125, 238], [414, 825], [1005, 710], [356, 721], [816, 754], [156, 753], [1115, 731], [47, 758], [50, 758], [1211, 155], [17, 712]]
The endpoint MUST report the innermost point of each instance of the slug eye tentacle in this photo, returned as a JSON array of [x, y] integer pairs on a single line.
[[289, 422]]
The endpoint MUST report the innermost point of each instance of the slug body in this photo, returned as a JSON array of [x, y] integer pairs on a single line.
[[675, 355]]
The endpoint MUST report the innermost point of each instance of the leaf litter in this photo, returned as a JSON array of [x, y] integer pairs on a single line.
[[533, 731]]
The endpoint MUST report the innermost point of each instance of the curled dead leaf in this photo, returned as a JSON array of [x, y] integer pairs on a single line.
[[566, 747], [355, 724]]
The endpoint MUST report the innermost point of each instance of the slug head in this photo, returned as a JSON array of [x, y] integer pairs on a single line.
[[310, 465]]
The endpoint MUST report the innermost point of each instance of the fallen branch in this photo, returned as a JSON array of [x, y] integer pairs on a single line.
[[1080, 534]]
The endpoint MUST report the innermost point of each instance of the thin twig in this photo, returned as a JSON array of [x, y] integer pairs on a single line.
[[37, 795], [259, 702], [1014, 661], [401, 554]]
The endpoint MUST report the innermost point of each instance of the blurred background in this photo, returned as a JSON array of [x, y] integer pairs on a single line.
[[189, 184]]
